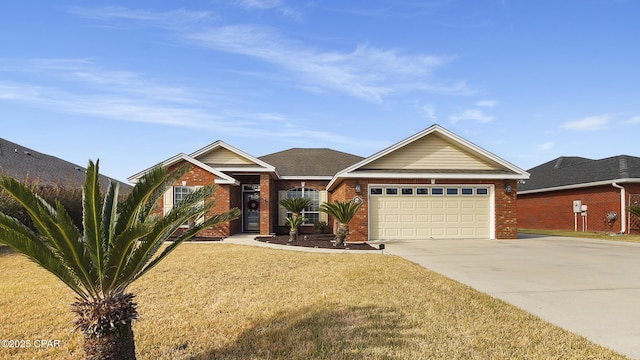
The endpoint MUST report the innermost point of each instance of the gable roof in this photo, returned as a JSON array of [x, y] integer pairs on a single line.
[[23, 163], [221, 178], [307, 163], [434, 153], [228, 158], [216, 158], [573, 172]]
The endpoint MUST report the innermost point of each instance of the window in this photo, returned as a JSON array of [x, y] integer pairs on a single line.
[[422, 191], [392, 191], [375, 191], [452, 191], [312, 213], [437, 191], [482, 191], [407, 191], [467, 191], [181, 192]]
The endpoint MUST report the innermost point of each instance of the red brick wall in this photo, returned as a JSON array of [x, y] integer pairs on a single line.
[[283, 185], [267, 208], [227, 197], [506, 220], [554, 210]]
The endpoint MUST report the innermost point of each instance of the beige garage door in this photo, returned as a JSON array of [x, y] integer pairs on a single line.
[[401, 212]]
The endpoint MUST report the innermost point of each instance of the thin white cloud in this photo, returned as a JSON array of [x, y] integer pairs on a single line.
[[476, 115], [591, 123], [366, 72], [277, 5], [430, 112], [176, 19], [547, 146], [632, 120], [487, 103]]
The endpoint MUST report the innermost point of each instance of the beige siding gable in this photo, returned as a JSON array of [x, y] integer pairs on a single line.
[[432, 152], [222, 156]]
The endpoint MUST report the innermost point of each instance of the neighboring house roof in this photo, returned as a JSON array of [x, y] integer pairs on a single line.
[[568, 172], [434, 153], [26, 164], [301, 163]]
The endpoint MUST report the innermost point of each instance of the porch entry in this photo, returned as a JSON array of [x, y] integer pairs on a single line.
[[250, 208]]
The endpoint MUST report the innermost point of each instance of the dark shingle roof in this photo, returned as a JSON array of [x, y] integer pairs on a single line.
[[571, 170], [24, 163], [310, 162]]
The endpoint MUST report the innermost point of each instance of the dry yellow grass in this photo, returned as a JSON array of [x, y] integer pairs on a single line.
[[587, 235], [221, 301]]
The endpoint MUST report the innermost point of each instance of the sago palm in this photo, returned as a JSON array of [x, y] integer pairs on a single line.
[[121, 241], [343, 212], [295, 206]]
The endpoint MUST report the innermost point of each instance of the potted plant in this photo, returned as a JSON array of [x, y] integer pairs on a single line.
[[319, 226]]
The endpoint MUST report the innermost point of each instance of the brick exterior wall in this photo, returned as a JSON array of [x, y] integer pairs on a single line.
[[283, 185], [554, 210], [268, 207], [226, 196], [506, 219]]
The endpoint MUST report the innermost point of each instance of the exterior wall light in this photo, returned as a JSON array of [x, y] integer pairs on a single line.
[[358, 187], [507, 187]]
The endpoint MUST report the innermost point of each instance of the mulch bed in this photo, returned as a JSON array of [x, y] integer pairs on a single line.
[[323, 241]]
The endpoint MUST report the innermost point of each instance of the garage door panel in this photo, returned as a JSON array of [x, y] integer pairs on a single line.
[[413, 216]]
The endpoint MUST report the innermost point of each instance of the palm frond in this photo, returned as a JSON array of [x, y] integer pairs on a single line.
[[129, 208], [162, 230], [92, 219], [295, 205], [119, 254], [212, 221], [23, 240], [65, 238], [110, 215], [343, 211]]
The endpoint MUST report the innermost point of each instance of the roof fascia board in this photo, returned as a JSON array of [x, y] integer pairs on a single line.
[[434, 176], [520, 173], [244, 169], [322, 178], [220, 143], [583, 185], [222, 177]]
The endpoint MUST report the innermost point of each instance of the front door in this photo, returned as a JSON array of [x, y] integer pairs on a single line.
[[251, 211]]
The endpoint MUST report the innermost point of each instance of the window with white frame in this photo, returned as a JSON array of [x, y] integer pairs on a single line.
[[312, 213], [180, 193]]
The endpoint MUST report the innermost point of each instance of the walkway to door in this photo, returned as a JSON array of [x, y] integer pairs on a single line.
[[589, 287]]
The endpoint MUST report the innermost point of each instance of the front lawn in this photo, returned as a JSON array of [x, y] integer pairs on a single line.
[[223, 301], [580, 234]]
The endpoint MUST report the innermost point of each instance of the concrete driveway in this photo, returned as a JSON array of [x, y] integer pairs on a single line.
[[589, 287]]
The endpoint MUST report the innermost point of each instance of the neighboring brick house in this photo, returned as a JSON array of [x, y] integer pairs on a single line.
[[606, 187], [431, 185]]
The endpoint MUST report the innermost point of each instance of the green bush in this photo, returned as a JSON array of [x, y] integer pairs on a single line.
[[68, 194]]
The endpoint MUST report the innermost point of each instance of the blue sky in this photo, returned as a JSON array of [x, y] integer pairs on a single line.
[[134, 83]]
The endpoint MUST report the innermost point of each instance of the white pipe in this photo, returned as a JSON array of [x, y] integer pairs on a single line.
[[623, 207]]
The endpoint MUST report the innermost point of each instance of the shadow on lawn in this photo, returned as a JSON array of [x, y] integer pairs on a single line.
[[354, 332], [5, 250]]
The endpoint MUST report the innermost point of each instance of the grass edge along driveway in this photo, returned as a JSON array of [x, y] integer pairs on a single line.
[[239, 302]]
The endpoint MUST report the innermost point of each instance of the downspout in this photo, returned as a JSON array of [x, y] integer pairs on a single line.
[[623, 207]]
